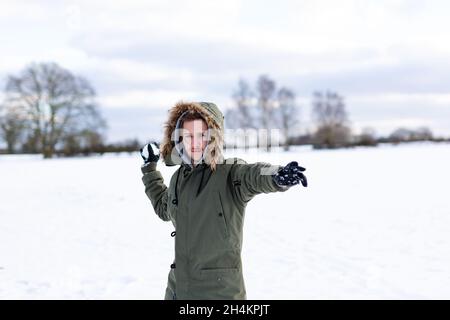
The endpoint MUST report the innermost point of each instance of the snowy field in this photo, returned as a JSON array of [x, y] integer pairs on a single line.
[[374, 223]]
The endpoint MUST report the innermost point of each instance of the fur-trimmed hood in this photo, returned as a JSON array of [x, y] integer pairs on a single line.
[[214, 119]]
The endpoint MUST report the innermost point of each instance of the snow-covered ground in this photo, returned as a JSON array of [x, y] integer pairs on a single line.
[[374, 223]]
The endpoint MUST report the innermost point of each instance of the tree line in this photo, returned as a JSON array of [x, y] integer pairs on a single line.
[[264, 106], [47, 109]]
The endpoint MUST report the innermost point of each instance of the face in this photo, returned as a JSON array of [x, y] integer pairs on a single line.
[[195, 138]]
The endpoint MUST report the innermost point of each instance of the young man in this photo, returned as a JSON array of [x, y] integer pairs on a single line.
[[206, 201]]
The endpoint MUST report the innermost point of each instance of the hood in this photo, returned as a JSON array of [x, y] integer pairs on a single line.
[[213, 117]]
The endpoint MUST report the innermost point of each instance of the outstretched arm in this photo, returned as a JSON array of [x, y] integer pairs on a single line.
[[155, 189], [251, 179]]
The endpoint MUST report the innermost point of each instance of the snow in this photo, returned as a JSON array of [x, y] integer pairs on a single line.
[[373, 223]]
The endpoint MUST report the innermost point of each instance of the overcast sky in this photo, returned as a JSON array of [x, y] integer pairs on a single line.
[[389, 59]]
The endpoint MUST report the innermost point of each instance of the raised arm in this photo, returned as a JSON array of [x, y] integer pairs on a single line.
[[155, 189]]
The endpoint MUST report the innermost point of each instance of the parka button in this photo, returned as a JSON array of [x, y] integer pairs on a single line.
[[175, 201], [220, 214]]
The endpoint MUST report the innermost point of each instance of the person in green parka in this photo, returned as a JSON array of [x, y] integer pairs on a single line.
[[206, 200]]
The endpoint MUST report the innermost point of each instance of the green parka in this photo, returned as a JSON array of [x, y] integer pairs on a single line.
[[206, 204]]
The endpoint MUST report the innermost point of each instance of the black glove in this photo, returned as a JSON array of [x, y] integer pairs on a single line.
[[150, 152], [290, 175]]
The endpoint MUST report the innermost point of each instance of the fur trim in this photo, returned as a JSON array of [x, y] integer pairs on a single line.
[[214, 148]]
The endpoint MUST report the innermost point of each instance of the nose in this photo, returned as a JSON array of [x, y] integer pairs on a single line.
[[197, 143]]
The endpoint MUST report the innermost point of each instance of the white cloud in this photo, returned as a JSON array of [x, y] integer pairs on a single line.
[[26, 10], [439, 99], [146, 99]]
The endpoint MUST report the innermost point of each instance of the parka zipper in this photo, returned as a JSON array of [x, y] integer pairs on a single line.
[[222, 217]]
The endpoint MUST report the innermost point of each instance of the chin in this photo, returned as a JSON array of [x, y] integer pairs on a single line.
[[196, 157]]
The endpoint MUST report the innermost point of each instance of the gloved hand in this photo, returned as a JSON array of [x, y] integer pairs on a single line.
[[290, 175], [150, 152]]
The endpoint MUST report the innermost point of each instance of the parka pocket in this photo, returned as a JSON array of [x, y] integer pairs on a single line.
[[218, 272]]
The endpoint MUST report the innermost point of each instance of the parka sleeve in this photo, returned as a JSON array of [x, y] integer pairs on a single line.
[[156, 190], [251, 179]]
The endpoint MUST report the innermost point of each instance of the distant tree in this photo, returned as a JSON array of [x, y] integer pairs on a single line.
[[57, 104], [71, 145], [128, 145], [400, 134], [266, 89], [405, 134], [242, 117], [263, 109], [287, 113], [12, 126], [84, 142], [423, 133], [367, 137], [331, 118]]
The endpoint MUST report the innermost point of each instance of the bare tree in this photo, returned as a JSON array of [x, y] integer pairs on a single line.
[[242, 116], [12, 125], [264, 108], [56, 102], [288, 113], [265, 91], [331, 117], [266, 102]]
